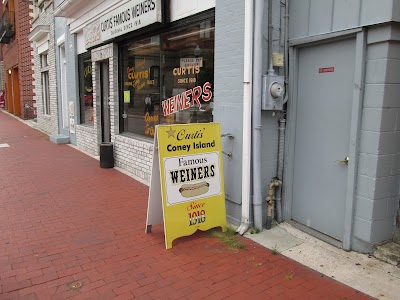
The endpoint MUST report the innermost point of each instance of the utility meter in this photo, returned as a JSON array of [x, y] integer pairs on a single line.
[[273, 91], [277, 90]]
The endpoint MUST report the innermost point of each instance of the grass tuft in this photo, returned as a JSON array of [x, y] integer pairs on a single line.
[[255, 231], [228, 238], [289, 276]]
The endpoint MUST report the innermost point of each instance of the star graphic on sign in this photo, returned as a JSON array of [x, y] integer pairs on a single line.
[[170, 132]]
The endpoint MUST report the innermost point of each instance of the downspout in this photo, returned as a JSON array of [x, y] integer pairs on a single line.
[[256, 127], [247, 104]]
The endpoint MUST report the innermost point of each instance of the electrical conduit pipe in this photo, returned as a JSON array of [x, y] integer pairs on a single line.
[[281, 150]]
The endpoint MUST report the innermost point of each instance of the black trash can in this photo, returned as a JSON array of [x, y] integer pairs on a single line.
[[106, 155]]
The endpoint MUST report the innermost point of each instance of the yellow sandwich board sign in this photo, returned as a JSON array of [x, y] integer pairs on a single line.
[[187, 181]]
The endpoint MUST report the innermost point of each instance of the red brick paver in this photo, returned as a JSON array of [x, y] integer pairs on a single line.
[[63, 218]]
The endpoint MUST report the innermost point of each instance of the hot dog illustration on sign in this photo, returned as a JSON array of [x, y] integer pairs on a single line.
[[192, 190], [192, 177]]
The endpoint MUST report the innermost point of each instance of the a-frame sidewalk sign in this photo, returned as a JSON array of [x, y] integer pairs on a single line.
[[187, 180]]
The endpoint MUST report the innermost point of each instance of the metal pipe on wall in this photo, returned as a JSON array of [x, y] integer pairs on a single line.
[[270, 26], [275, 183], [282, 123], [256, 125], [247, 105], [281, 149], [286, 49]]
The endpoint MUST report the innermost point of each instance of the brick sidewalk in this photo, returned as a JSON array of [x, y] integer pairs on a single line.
[[63, 219]]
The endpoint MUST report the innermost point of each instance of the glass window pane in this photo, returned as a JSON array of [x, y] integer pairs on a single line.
[[46, 92], [141, 86], [43, 61], [168, 78], [188, 74], [86, 90]]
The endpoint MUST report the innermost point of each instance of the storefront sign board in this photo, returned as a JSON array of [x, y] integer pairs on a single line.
[[191, 62], [187, 181], [128, 17]]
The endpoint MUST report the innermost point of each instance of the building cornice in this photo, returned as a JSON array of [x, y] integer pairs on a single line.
[[38, 32], [68, 7]]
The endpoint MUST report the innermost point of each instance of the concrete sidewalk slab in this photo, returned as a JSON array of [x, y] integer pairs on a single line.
[[71, 230], [363, 272]]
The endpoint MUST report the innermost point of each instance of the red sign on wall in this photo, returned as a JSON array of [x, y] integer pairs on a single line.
[[327, 70]]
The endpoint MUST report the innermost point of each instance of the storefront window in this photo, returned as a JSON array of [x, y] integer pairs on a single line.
[[168, 79], [188, 74], [141, 88], [44, 68], [86, 89]]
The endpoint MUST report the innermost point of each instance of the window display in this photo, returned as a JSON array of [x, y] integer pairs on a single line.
[[141, 86], [86, 89], [168, 78]]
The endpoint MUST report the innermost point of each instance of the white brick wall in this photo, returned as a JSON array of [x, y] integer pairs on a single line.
[[47, 123], [228, 93], [86, 139], [134, 156]]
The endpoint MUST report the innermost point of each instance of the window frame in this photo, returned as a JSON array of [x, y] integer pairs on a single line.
[[45, 83], [81, 79]]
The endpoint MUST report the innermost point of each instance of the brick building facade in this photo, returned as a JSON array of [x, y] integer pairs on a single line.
[[17, 58], [44, 77]]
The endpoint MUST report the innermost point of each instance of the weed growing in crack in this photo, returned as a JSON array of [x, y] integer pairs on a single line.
[[228, 238], [275, 250], [289, 276], [255, 231]]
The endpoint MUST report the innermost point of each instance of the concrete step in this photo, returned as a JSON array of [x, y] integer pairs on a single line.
[[59, 139], [396, 237], [389, 252]]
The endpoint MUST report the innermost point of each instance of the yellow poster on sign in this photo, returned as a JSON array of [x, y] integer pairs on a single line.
[[191, 180]]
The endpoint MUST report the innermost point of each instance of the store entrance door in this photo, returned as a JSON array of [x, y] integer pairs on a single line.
[[15, 92], [105, 102], [9, 94], [13, 96]]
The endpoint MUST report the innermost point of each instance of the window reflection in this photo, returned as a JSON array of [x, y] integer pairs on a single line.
[[86, 89], [141, 88], [168, 78]]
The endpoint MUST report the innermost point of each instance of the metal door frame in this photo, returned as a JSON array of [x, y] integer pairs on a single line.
[[105, 118], [359, 77]]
